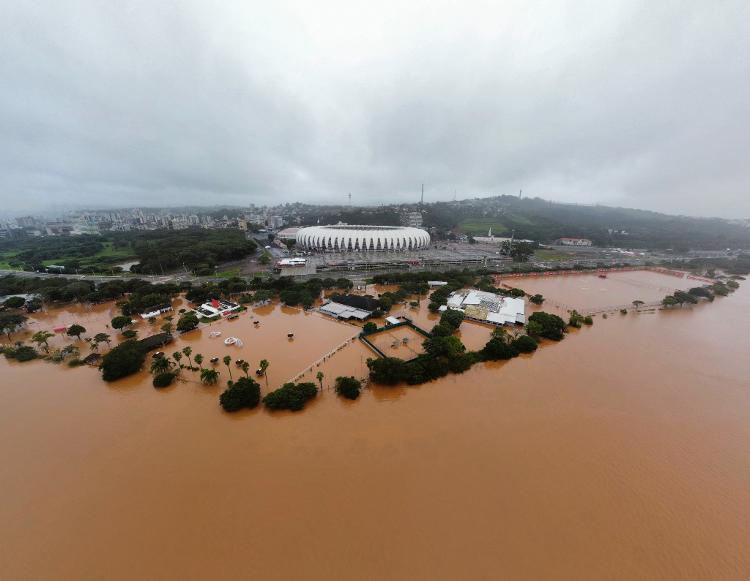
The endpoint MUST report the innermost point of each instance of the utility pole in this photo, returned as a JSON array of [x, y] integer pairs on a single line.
[[421, 200], [350, 199]]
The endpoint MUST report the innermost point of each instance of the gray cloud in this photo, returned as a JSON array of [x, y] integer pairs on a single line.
[[639, 104]]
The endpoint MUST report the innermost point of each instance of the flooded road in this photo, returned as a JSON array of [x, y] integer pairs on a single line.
[[620, 453]]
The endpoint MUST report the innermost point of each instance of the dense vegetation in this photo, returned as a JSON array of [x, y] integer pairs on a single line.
[[348, 387], [545, 221], [123, 360], [290, 396], [243, 393], [194, 249]]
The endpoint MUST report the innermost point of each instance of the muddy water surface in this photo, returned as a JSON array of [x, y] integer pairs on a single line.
[[620, 453]]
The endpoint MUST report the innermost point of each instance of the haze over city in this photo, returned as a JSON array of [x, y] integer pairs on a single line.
[[625, 103]]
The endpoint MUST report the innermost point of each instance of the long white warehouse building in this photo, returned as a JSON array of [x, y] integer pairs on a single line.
[[343, 237]]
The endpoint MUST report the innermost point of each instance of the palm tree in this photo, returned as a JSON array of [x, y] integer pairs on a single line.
[[245, 367], [227, 360], [319, 375], [177, 356], [199, 360], [41, 338], [188, 351], [160, 365], [264, 364], [209, 376]]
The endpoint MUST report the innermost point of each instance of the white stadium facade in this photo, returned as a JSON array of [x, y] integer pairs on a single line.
[[349, 238]]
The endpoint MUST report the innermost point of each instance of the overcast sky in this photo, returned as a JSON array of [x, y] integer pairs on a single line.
[[639, 104]]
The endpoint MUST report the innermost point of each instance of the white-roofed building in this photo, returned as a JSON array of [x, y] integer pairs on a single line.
[[488, 307], [344, 311]]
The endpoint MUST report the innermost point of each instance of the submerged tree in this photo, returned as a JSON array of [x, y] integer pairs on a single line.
[[41, 338], [209, 376]]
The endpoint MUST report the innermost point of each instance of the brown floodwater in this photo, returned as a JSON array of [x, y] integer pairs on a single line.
[[620, 453], [590, 292]]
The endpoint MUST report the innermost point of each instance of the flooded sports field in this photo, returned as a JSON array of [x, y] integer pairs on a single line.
[[619, 453], [587, 292]]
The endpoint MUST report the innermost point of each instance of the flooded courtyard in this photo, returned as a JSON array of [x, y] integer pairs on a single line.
[[619, 453]]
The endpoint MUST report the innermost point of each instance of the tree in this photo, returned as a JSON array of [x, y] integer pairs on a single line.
[[14, 302], [264, 365], [245, 366], [319, 376], [243, 393], [11, 322], [41, 338], [387, 370], [227, 360], [33, 305], [187, 322], [290, 396], [121, 322], [124, 359], [209, 376], [160, 365], [188, 351], [524, 344], [167, 327], [521, 251], [546, 325], [669, 301], [163, 379], [369, 327], [498, 349], [199, 360], [537, 299], [348, 387], [452, 318], [102, 338], [442, 330], [449, 347]]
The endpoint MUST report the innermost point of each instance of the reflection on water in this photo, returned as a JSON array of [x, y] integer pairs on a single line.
[[619, 453]]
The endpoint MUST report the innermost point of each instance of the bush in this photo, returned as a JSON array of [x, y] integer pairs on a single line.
[[442, 330], [348, 387], [369, 327], [164, 379], [537, 299], [387, 370], [14, 302], [497, 349], [21, 353], [452, 318], [243, 393], [588, 320], [130, 334], [187, 322], [123, 360], [290, 396], [546, 325], [524, 344]]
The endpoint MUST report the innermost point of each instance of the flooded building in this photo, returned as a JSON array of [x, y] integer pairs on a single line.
[[488, 307]]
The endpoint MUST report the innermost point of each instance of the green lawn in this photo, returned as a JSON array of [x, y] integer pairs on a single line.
[[480, 226], [230, 273], [544, 254]]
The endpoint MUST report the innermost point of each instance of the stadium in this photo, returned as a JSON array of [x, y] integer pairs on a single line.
[[343, 238]]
